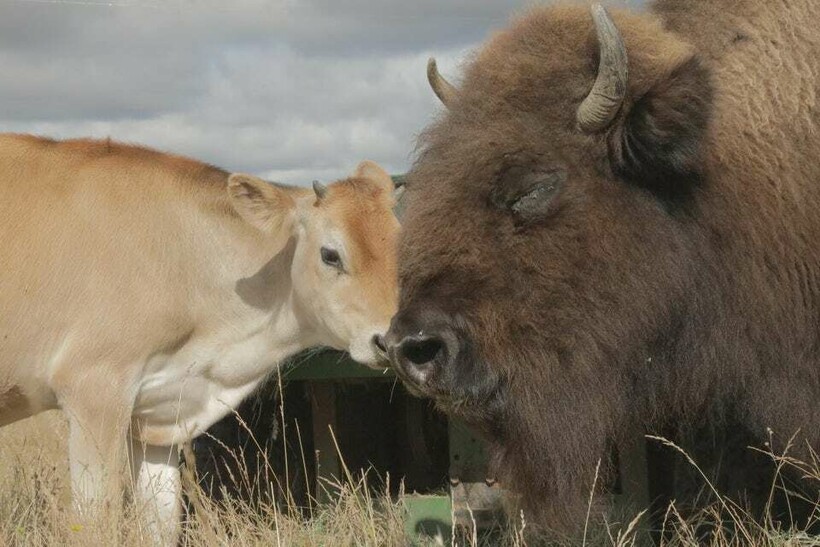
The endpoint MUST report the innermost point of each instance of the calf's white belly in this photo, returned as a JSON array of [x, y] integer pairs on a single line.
[[171, 410], [181, 396]]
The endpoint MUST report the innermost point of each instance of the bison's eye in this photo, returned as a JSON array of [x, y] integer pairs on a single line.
[[331, 258], [535, 200], [528, 193]]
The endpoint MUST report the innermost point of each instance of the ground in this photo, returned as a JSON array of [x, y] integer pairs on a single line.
[[34, 501]]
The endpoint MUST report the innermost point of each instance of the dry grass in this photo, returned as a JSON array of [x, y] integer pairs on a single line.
[[34, 497], [724, 523]]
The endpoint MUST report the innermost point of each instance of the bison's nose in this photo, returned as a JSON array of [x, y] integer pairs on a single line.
[[380, 345], [423, 353], [418, 354], [423, 346]]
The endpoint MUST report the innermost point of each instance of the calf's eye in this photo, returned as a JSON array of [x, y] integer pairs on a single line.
[[331, 257]]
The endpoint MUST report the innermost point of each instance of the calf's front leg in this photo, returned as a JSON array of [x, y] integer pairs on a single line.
[[156, 486], [95, 451], [94, 454]]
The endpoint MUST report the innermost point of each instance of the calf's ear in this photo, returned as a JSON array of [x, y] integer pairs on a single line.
[[267, 207], [659, 142], [373, 171]]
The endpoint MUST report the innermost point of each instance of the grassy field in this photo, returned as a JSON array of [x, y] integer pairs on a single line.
[[34, 501]]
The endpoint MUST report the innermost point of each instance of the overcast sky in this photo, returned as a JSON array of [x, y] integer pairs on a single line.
[[293, 90]]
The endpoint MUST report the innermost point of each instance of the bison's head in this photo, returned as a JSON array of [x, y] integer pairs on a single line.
[[548, 237]]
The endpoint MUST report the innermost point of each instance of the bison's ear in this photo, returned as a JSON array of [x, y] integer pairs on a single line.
[[265, 206], [659, 143]]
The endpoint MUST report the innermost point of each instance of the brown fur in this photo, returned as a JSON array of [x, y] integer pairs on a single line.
[[675, 276]]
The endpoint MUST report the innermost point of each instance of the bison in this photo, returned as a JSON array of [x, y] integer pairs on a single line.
[[614, 226]]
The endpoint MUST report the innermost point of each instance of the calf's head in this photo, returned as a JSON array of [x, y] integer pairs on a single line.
[[343, 238], [546, 235]]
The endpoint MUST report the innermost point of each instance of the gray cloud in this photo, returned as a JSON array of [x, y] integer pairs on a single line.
[[294, 90]]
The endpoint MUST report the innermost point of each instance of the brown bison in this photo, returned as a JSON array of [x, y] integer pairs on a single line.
[[615, 225]]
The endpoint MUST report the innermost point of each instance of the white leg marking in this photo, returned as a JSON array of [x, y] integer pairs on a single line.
[[93, 465], [155, 474]]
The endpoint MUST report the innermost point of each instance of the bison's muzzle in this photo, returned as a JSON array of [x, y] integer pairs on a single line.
[[422, 345], [434, 355]]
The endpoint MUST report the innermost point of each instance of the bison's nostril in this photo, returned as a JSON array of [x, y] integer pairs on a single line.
[[420, 351], [378, 341]]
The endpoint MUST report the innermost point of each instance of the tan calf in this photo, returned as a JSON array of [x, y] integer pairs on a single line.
[[146, 295]]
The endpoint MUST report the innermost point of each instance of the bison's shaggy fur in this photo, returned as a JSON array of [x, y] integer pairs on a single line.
[[675, 276]]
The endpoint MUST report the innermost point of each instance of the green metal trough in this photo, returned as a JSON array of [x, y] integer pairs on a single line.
[[468, 496]]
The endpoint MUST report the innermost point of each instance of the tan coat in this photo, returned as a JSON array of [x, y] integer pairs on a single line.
[[144, 290]]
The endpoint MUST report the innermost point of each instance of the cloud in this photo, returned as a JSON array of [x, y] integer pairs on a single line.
[[65, 60], [291, 89]]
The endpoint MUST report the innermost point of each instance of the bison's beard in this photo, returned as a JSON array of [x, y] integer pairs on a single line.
[[549, 416], [550, 482], [552, 442]]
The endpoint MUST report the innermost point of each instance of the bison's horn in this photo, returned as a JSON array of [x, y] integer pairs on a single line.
[[320, 189], [444, 90], [604, 100]]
